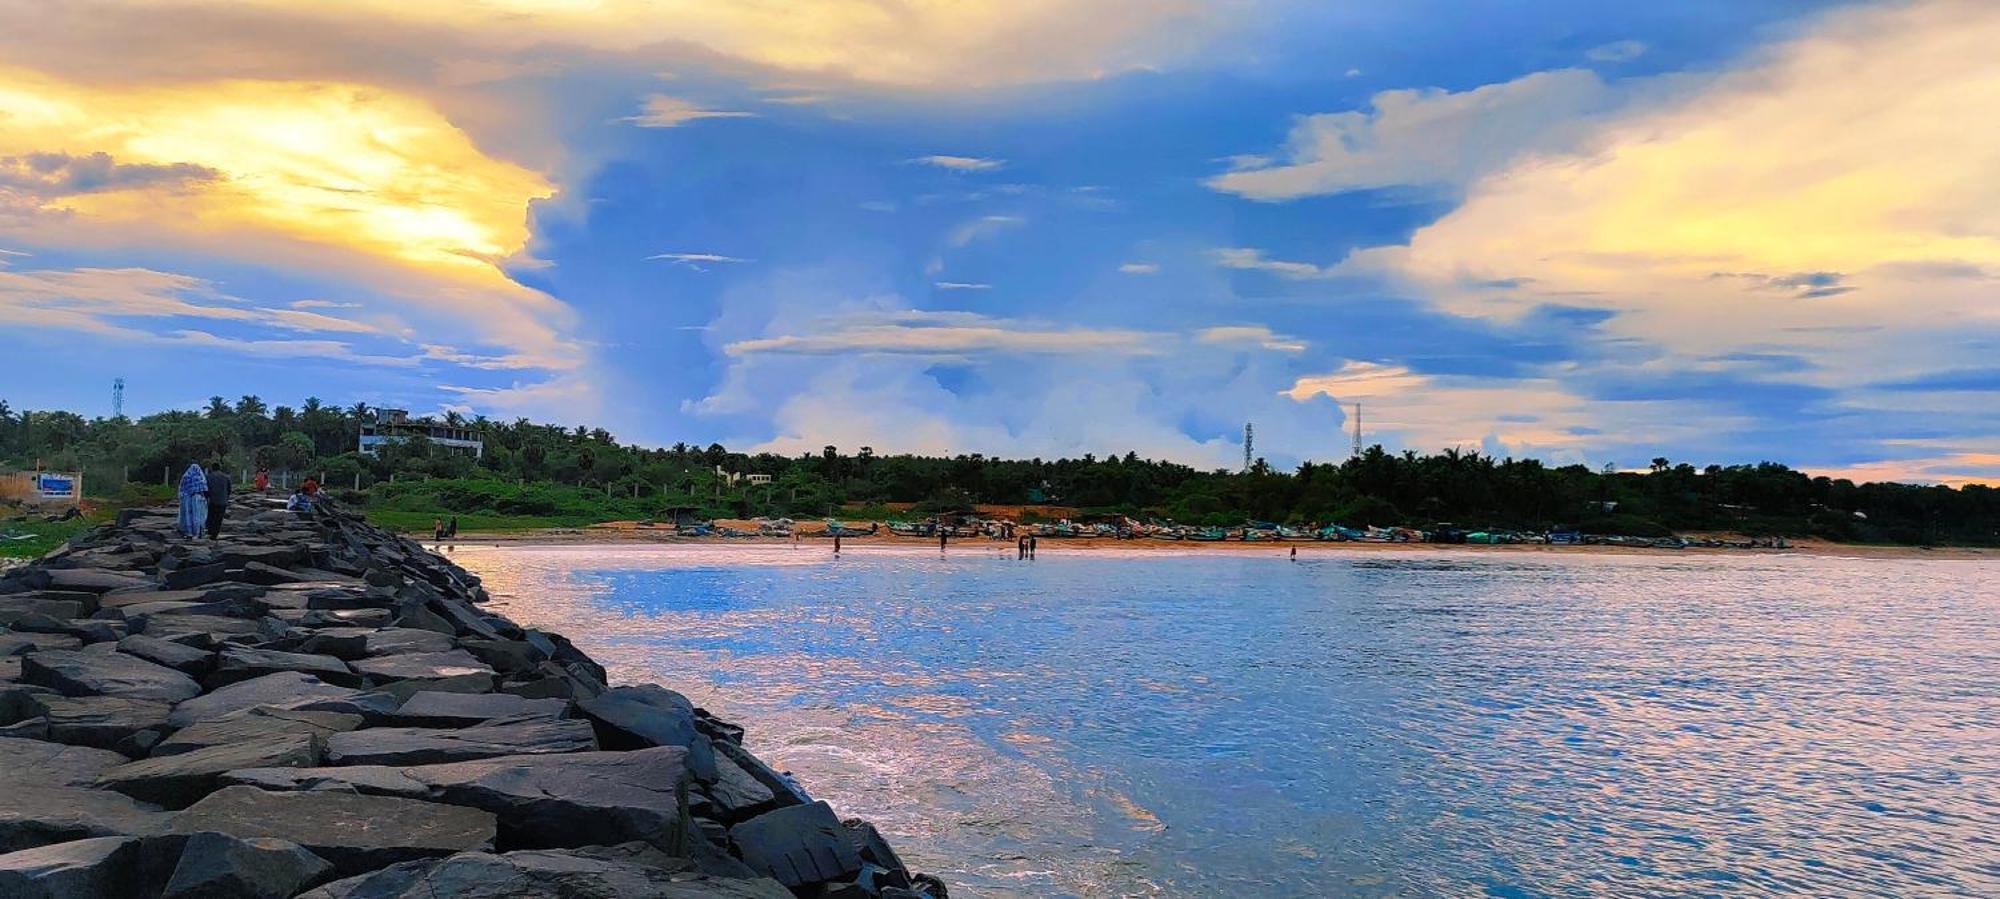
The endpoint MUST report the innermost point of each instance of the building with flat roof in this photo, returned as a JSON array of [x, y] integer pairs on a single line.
[[396, 426]]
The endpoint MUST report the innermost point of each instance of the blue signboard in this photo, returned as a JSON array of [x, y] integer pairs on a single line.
[[55, 486]]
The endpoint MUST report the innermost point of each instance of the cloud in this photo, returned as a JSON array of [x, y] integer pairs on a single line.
[[1842, 176], [923, 46], [286, 349], [1426, 138], [948, 334], [1252, 335], [983, 227], [960, 163], [1140, 268], [697, 261], [662, 111], [1955, 469], [49, 176], [368, 183], [1616, 51], [1251, 259], [303, 320], [1537, 415], [960, 285]]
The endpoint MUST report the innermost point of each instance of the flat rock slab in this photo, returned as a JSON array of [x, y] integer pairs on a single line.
[[185, 659], [128, 726], [354, 643], [256, 723], [98, 867], [179, 780], [199, 630], [241, 663], [571, 875], [553, 801], [13, 643], [798, 845], [284, 688], [434, 709], [220, 866], [77, 673], [96, 580], [355, 833], [52, 764], [421, 665], [35, 815], [429, 746]]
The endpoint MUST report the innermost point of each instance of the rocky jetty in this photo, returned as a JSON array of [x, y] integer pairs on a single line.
[[310, 706]]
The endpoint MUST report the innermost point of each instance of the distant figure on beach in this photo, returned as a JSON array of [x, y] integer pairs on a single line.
[[263, 480], [451, 528], [1021, 548], [1031, 546], [1295, 553], [836, 544], [437, 530], [941, 540], [194, 501], [218, 498]]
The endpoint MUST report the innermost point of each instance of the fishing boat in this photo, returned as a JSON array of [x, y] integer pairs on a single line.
[[913, 528]]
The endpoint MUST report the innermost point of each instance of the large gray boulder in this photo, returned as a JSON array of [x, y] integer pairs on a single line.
[[178, 780], [798, 845], [355, 643], [434, 709], [79, 673], [650, 715], [96, 580], [253, 724], [14, 643], [430, 746], [104, 866], [542, 801], [287, 688], [355, 833], [241, 663], [220, 866], [43, 814], [537, 873]]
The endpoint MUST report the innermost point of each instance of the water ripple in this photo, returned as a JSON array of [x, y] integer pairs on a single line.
[[1233, 725]]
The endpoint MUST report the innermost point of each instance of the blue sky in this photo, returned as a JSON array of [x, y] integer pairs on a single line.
[[1584, 232]]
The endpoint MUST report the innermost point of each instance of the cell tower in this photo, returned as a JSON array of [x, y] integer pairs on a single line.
[[1249, 437], [117, 397], [1357, 430]]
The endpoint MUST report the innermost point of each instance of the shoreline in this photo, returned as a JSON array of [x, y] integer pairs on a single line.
[[615, 536], [324, 708]]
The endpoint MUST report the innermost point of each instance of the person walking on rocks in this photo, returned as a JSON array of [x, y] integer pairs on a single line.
[[218, 499], [194, 501], [263, 480]]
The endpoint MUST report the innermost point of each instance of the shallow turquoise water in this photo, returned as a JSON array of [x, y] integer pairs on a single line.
[[1395, 723]]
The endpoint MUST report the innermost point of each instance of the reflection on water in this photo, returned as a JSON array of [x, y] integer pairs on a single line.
[[1231, 724]]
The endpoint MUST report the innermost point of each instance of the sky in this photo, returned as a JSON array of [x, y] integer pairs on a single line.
[[1584, 232]]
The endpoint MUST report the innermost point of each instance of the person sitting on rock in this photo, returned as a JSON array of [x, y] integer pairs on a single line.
[[300, 501]]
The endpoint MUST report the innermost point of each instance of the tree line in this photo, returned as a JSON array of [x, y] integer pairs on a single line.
[[530, 469]]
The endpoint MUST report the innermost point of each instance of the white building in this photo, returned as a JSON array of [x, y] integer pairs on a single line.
[[396, 426]]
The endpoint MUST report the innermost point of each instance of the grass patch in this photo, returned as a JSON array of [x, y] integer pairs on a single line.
[[45, 535]]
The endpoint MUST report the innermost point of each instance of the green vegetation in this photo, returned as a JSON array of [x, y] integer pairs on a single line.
[[543, 475], [45, 535]]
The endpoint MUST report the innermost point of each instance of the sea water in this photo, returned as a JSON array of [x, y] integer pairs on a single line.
[[1103, 723]]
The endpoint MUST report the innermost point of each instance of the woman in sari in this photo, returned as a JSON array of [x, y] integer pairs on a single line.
[[194, 501]]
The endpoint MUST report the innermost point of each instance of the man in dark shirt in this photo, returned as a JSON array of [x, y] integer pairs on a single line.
[[218, 499]]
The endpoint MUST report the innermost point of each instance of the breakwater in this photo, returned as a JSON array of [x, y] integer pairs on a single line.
[[310, 706]]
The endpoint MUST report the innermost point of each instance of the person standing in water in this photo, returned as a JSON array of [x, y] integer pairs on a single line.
[[194, 501], [941, 539], [218, 498], [836, 544], [1295, 553], [1031, 546], [1021, 548]]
